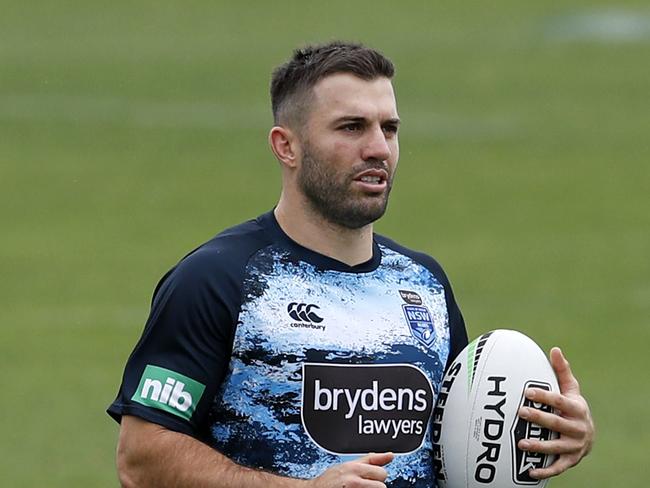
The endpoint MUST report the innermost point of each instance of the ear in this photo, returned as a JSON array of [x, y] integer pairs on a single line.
[[284, 145]]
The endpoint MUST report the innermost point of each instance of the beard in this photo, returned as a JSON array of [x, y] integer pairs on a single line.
[[331, 194]]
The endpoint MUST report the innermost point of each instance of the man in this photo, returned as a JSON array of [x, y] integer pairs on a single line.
[[288, 349]]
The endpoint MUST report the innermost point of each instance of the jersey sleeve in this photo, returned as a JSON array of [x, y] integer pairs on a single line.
[[182, 357], [457, 330]]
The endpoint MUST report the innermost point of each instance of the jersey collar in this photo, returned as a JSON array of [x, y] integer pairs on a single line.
[[320, 261]]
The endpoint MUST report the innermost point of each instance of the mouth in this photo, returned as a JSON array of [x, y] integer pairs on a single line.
[[373, 180]]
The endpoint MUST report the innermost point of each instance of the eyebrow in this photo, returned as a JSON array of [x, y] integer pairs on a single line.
[[357, 118]]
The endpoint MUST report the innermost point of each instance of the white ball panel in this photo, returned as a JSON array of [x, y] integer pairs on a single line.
[[475, 423]]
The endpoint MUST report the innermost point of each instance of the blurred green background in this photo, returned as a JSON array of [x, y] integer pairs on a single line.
[[130, 132]]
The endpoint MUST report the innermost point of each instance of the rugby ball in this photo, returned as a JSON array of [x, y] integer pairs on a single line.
[[475, 426]]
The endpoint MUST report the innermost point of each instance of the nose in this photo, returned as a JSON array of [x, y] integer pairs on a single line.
[[376, 146]]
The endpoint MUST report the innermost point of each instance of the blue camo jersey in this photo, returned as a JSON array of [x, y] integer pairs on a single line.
[[290, 361]]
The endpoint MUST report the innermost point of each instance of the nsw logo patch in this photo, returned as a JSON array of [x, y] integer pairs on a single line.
[[420, 323], [169, 391]]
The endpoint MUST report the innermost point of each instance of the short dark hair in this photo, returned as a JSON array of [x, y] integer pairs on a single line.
[[292, 81]]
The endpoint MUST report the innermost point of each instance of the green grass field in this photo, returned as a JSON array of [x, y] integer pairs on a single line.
[[132, 131]]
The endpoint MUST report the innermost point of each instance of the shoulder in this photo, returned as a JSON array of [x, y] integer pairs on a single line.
[[419, 257], [217, 266], [228, 251], [458, 331]]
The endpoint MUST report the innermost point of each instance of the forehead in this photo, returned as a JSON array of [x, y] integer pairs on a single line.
[[344, 94]]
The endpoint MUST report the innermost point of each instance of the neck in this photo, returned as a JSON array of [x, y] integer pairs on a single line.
[[311, 230]]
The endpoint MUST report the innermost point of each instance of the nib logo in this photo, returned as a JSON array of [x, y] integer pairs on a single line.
[[169, 391]]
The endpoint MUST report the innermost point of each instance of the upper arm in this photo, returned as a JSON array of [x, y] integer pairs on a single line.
[[149, 455], [179, 362], [137, 436]]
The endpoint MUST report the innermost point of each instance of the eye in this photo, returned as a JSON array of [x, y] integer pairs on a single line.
[[351, 127], [390, 129]]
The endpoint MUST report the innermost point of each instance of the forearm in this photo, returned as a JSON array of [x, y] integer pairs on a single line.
[[157, 457]]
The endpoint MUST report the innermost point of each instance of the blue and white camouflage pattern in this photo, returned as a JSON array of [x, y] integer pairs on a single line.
[[256, 417]]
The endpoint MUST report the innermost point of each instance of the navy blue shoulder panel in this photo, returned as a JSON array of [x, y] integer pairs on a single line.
[[457, 329], [189, 332], [221, 261]]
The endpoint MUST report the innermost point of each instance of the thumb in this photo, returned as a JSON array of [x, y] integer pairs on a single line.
[[377, 459], [567, 382]]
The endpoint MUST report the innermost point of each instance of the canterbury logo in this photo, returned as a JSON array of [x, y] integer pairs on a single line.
[[302, 312]]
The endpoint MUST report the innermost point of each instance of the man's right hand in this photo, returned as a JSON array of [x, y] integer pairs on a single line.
[[365, 472]]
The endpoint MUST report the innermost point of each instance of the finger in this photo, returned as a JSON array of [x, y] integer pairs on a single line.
[[551, 421], [370, 472], [568, 383], [377, 459], [373, 484], [560, 465], [558, 447], [566, 406]]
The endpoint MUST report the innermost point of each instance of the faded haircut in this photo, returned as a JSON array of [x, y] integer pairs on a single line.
[[292, 82]]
